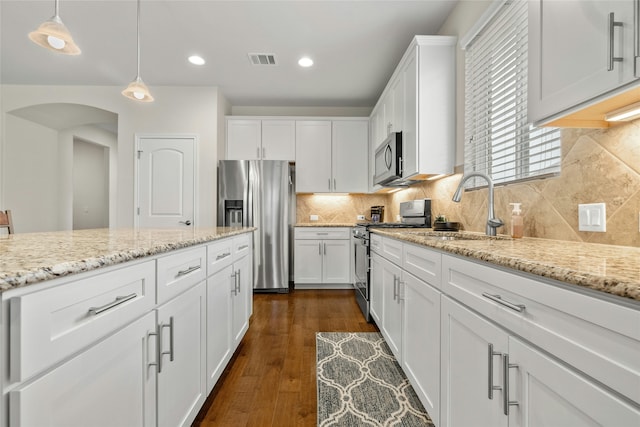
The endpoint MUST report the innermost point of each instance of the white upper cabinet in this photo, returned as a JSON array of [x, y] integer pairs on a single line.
[[255, 139], [419, 101], [580, 53], [331, 156], [313, 160], [350, 139]]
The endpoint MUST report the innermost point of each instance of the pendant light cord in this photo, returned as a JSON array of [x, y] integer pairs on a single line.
[[138, 39], [57, 9]]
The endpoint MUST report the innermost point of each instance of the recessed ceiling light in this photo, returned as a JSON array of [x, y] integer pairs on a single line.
[[196, 60], [305, 61]]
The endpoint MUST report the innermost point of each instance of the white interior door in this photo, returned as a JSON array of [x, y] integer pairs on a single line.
[[166, 181]]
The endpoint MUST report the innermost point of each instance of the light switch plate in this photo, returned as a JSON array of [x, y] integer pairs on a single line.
[[313, 217], [360, 218], [592, 217]]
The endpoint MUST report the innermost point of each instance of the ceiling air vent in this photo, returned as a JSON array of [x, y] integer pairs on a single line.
[[262, 58]]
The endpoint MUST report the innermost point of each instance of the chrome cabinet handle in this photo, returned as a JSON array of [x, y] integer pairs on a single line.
[[242, 247], [258, 152], [235, 283], [187, 271], [322, 234], [187, 222], [400, 289], [492, 387], [611, 59], [329, 180], [119, 300], [170, 326], [395, 291], [497, 298], [319, 248], [505, 385], [264, 153], [324, 248], [157, 349], [221, 256], [335, 186], [238, 282]]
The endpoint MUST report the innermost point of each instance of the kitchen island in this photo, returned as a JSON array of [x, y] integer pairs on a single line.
[[119, 320]]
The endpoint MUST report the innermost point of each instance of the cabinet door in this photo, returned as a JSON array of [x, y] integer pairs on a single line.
[[308, 261], [375, 290], [387, 111], [110, 384], [550, 394], [421, 329], [350, 156], [392, 307], [218, 324], [241, 294], [182, 377], [243, 139], [569, 53], [313, 157], [397, 94], [410, 114], [336, 263], [279, 140], [465, 377]]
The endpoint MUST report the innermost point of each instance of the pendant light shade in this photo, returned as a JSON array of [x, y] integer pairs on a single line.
[[55, 36], [137, 90]]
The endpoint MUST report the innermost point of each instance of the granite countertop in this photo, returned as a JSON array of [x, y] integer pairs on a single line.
[[325, 224], [606, 268], [27, 258]]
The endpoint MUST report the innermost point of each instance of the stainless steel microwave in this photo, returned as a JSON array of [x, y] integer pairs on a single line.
[[388, 162]]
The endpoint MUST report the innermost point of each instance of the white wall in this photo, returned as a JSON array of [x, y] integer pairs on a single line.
[[177, 110], [459, 22], [34, 170]]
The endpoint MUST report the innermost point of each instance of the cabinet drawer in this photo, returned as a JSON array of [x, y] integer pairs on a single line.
[[392, 250], [596, 336], [179, 271], [219, 255], [424, 263], [241, 246], [323, 233], [375, 243], [50, 325]]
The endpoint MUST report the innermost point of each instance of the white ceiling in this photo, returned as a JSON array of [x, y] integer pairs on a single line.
[[355, 45]]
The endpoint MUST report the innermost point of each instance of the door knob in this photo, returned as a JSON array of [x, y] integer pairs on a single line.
[[187, 222]]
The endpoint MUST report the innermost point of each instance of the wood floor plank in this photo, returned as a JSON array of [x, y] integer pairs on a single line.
[[271, 379]]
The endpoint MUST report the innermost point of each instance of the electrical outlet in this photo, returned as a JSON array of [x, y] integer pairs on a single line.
[[592, 217], [360, 217], [313, 217]]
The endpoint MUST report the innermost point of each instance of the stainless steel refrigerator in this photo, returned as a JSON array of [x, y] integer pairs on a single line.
[[261, 193]]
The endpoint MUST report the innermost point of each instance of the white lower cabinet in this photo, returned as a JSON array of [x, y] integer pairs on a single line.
[[421, 329], [182, 357], [219, 349], [491, 378], [407, 311], [110, 384], [322, 256], [241, 299], [391, 326]]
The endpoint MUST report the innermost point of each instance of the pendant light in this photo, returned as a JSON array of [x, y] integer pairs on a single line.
[[137, 90], [55, 36]]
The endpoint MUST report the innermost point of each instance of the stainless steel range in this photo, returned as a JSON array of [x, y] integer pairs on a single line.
[[416, 213]]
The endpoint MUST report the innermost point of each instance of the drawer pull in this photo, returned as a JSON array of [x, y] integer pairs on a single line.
[[497, 298], [490, 370], [322, 234], [221, 256], [242, 247], [119, 300], [506, 366], [188, 270]]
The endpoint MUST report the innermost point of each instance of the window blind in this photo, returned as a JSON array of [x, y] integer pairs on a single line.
[[498, 139]]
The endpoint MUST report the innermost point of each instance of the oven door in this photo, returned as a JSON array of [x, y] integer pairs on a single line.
[[361, 254]]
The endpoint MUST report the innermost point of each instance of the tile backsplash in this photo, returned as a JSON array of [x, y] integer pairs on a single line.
[[598, 165]]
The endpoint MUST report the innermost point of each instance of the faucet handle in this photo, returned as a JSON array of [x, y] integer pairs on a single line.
[[495, 222]]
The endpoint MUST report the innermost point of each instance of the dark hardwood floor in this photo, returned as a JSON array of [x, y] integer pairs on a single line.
[[271, 379]]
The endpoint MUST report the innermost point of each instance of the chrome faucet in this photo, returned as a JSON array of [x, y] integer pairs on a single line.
[[492, 223]]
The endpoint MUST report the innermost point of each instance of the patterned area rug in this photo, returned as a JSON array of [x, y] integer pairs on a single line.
[[360, 383]]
